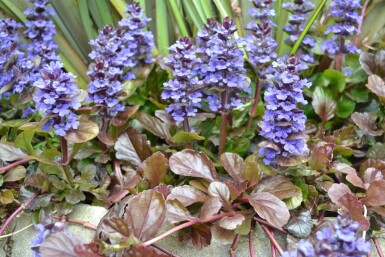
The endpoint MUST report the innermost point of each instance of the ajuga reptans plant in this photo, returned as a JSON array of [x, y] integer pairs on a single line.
[[184, 89], [115, 53], [260, 44], [9, 53], [283, 122], [41, 30], [56, 98], [300, 10], [346, 18], [340, 239], [222, 70]]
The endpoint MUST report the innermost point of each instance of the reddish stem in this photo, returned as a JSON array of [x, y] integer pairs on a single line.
[[264, 222], [191, 223], [164, 250], [186, 128], [223, 129], [251, 239], [272, 248], [14, 164], [78, 222], [19, 210], [378, 247], [234, 245], [362, 21], [272, 239], [253, 109], [339, 55]]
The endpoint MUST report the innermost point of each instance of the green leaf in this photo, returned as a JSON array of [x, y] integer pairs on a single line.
[[323, 104], [86, 131], [9, 153], [177, 12], [300, 225], [6, 196], [24, 139], [88, 173], [75, 196], [14, 123], [345, 107], [307, 27], [359, 95], [335, 78], [15, 174], [186, 137]]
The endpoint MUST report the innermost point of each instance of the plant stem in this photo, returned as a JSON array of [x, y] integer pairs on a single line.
[[64, 153], [264, 222], [272, 248], [253, 109], [378, 247], [191, 223], [78, 222], [14, 164], [340, 55], [186, 128], [19, 210], [251, 239], [234, 245], [223, 131], [64, 150], [272, 239], [362, 21], [164, 250]]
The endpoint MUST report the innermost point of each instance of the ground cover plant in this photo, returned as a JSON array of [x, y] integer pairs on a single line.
[[197, 118]]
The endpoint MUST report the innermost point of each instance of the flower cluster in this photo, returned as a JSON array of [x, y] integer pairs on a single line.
[[283, 122], [43, 232], [8, 49], [56, 97], [139, 42], [222, 63], [116, 52], [346, 19], [41, 30], [260, 44], [340, 240], [183, 88], [300, 10]]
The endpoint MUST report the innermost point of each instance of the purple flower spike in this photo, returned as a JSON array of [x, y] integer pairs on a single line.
[[222, 63], [41, 30], [115, 54], [260, 44], [347, 20], [183, 90], [56, 98], [139, 42], [340, 239], [283, 122], [8, 49], [300, 10]]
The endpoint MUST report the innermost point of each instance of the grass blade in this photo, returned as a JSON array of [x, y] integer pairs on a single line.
[[121, 7], [88, 25], [192, 13], [161, 26], [179, 18], [206, 5], [308, 26], [12, 8]]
